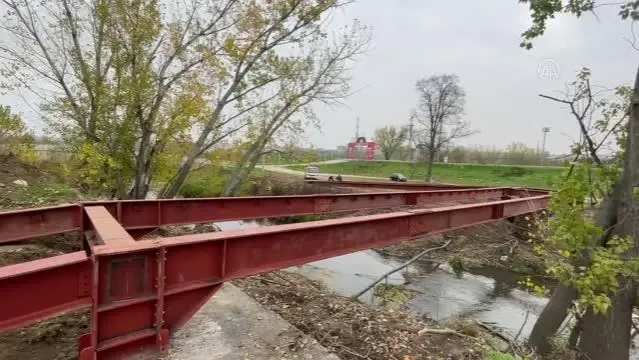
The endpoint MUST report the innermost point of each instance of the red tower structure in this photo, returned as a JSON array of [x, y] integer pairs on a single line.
[[360, 143]]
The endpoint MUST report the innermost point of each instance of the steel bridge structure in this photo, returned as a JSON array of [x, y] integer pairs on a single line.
[[141, 291]]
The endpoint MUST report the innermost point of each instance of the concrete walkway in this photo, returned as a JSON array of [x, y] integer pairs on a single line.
[[233, 326]]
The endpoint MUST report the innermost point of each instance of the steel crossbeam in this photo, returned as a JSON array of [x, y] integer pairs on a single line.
[[142, 216], [139, 292]]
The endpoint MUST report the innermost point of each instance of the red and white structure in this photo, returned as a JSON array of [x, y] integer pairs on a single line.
[[358, 144]]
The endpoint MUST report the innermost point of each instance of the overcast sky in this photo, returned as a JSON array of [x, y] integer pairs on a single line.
[[477, 40]]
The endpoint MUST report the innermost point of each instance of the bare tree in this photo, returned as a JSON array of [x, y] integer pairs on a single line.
[[390, 139], [438, 115]]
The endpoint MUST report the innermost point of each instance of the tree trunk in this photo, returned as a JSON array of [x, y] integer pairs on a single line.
[[575, 333], [174, 186], [551, 318], [560, 303], [607, 336], [431, 159], [140, 181], [245, 166], [604, 337], [233, 184]]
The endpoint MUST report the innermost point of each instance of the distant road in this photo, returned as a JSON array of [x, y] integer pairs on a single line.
[[285, 170], [422, 163]]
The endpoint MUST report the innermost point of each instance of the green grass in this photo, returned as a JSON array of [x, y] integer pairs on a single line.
[[37, 194], [211, 180], [286, 159], [490, 175]]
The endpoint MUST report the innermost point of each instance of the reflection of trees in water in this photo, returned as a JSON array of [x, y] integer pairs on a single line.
[[501, 288], [423, 268]]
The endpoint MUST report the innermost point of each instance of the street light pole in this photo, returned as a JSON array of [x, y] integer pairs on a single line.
[[544, 131], [410, 139]]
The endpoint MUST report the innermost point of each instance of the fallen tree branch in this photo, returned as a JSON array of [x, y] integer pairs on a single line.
[[427, 330], [513, 247], [495, 332], [391, 272], [522, 326]]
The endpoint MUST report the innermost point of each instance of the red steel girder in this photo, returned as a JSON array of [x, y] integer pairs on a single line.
[[141, 215], [390, 185], [152, 213], [31, 223], [141, 291], [40, 289], [148, 289]]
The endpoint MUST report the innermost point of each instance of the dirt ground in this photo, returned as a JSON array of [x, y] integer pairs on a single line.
[[55, 339], [45, 185], [500, 244], [354, 330]]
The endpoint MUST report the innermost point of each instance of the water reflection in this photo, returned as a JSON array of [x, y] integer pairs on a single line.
[[437, 291], [487, 294]]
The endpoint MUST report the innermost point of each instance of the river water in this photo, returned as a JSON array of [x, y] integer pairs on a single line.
[[486, 294]]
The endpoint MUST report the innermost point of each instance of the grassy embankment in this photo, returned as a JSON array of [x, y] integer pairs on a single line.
[[490, 175], [211, 180]]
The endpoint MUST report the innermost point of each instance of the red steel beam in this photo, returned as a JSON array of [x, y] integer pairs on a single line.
[[31, 223], [390, 185], [177, 275], [140, 291], [40, 289], [150, 214], [253, 251]]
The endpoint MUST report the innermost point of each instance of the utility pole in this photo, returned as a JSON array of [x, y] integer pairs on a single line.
[[357, 129], [544, 131], [410, 139]]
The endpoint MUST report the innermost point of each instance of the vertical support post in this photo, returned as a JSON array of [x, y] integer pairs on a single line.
[[498, 211], [162, 335], [88, 342]]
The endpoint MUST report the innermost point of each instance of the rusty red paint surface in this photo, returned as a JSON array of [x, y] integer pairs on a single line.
[[40, 289], [142, 216], [406, 186], [31, 223], [139, 292]]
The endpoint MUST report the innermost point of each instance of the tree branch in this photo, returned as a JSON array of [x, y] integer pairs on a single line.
[[391, 272]]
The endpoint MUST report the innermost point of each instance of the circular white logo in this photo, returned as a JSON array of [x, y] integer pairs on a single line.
[[548, 70]]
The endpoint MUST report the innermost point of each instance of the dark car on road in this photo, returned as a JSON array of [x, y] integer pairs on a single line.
[[398, 177]]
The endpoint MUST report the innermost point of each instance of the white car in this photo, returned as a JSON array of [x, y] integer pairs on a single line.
[[312, 173]]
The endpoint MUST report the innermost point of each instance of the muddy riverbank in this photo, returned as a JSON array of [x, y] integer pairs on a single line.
[[434, 289], [428, 293], [354, 330]]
